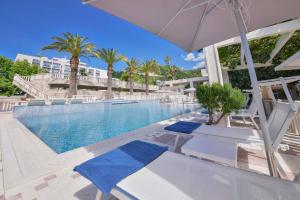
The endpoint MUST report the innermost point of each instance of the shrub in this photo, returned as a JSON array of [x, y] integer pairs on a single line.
[[219, 98]]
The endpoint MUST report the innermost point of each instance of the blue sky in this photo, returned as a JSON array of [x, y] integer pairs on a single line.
[[26, 26]]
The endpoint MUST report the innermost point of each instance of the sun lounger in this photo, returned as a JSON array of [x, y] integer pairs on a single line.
[[36, 102], [229, 132], [218, 149], [177, 177], [76, 101], [250, 113], [58, 102], [204, 147], [107, 170]]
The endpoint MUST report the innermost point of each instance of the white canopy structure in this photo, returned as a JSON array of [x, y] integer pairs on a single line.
[[291, 63], [278, 81], [195, 24]]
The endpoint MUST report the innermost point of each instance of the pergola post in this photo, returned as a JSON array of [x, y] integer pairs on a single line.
[[256, 91]]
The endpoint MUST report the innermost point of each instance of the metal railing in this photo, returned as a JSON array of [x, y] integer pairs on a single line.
[[7, 105]]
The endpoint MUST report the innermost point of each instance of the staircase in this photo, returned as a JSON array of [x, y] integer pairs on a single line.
[[24, 84]]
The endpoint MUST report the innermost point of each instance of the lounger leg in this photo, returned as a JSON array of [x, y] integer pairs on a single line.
[[254, 123], [176, 142], [244, 120], [99, 196]]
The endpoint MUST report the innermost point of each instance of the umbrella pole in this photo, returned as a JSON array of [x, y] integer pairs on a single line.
[[256, 93]]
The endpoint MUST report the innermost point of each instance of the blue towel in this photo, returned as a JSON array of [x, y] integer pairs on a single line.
[[183, 127], [107, 170]]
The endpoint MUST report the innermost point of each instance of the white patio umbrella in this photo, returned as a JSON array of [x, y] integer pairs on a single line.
[[195, 24], [292, 63]]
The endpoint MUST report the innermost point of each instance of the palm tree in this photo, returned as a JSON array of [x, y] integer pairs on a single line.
[[168, 60], [76, 45], [147, 68], [131, 69], [110, 56], [172, 71]]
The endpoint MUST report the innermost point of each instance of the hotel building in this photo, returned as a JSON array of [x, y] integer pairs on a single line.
[[61, 65]]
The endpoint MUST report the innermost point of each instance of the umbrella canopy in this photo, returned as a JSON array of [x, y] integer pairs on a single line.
[[195, 24], [291, 63]]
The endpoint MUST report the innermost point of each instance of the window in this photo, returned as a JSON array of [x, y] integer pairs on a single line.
[[47, 64], [36, 62], [91, 72], [56, 66]]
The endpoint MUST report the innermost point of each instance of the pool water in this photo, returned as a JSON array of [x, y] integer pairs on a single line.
[[66, 127]]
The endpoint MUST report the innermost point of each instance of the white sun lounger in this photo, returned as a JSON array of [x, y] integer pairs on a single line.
[[250, 113], [228, 132], [58, 101], [76, 101], [278, 123], [36, 102], [177, 177], [209, 145], [218, 149]]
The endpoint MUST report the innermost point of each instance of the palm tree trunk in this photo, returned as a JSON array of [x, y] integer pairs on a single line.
[[147, 84], [131, 83], [109, 82], [73, 78]]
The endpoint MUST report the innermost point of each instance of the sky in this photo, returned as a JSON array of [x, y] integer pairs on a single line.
[[27, 26]]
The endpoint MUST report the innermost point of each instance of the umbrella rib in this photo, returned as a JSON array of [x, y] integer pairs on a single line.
[[195, 6], [199, 26], [205, 13], [173, 18]]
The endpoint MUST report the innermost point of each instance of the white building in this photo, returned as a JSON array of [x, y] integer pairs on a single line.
[[61, 65]]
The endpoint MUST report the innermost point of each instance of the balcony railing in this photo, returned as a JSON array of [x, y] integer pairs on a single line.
[[103, 81]]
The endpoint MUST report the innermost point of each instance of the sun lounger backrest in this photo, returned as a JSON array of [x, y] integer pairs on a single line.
[[279, 121]]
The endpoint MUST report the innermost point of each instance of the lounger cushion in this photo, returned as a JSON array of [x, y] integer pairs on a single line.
[[232, 132], [106, 170], [183, 127], [218, 149], [178, 177]]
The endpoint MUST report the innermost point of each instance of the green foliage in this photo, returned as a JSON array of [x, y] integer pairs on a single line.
[[230, 56], [149, 67], [241, 78], [290, 48], [216, 97], [230, 99], [76, 45], [82, 72], [260, 49], [7, 71], [172, 72], [180, 73], [206, 96], [110, 56]]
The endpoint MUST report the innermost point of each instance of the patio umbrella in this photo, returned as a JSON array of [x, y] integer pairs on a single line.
[[195, 24], [292, 63]]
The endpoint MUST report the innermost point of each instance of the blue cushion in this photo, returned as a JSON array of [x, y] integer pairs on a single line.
[[183, 127], [107, 170]]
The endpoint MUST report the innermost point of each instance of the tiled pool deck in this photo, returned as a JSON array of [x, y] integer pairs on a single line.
[[31, 170]]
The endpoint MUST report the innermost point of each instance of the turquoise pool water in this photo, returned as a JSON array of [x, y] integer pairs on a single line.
[[66, 127]]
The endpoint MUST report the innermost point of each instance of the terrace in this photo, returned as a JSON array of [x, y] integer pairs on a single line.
[[54, 147]]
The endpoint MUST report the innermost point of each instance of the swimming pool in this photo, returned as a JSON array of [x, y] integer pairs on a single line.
[[66, 127]]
